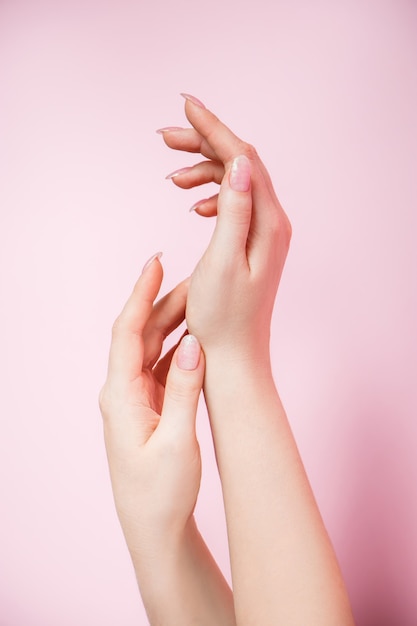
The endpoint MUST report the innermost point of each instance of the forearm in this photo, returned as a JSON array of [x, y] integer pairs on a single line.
[[284, 568], [180, 583]]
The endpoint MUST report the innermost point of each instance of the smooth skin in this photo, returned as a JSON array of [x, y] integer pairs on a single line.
[[284, 568], [149, 408]]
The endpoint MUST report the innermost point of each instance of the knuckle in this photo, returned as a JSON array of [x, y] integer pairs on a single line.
[[117, 325], [105, 402], [178, 393], [286, 228], [171, 445], [281, 227], [178, 444], [103, 398], [249, 150], [183, 392], [289, 230]]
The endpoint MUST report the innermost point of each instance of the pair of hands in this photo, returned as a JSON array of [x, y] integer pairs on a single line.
[[149, 403]]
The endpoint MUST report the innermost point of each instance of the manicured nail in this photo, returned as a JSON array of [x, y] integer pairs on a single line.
[[168, 129], [175, 173], [151, 260], [239, 177], [188, 355], [198, 204], [193, 99]]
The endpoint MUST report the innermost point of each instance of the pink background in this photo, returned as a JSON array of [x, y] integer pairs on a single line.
[[327, 91]]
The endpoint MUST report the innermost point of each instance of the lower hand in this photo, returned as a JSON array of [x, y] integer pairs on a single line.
[[149, 409]]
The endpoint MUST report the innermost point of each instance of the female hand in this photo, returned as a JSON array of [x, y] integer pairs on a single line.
[[233, 287], [149, 409], [283, 566]]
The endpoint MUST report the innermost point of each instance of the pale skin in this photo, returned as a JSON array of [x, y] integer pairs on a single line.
[[284, 569], [154, 459]]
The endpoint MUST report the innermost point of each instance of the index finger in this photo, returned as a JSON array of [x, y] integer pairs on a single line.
[[127, 345], [218, 136], [209, 136]]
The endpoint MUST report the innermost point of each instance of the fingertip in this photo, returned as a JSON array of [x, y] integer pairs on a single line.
[[197, 205], [168, 129], [150, 261], [200, 117], [206, 211], [173, 175], [240, 174], [150, 279], [206, 207], [188, 353], [189, 98]]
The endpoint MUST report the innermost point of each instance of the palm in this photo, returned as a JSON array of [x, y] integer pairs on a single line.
[[147, 396]]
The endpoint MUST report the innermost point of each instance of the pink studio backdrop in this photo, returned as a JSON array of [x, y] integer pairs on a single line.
[[327, 91]]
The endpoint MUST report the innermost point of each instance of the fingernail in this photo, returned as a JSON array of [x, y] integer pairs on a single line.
[[198, 204], [239, 177], [193, 99], [175, 173], [151, 260], [168, 129], [188, 355]]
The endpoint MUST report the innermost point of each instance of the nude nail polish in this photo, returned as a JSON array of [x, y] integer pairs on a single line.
[[239, 177], [198, 204], [151, 260], [188, 355], [168, 129], [193, 99], [175, 173]]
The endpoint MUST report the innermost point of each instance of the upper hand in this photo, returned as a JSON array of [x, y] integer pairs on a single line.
[[233, 287]]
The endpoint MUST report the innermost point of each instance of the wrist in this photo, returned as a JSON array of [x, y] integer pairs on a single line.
[[154, 542], [158, 560], [238, 365], [240, 394], [180, 582]]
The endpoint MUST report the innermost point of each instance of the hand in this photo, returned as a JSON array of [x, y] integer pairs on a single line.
[[233, 287], [149, 410], [283, 566]]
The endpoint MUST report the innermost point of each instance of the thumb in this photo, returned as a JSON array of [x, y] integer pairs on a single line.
[[234, 208], [183, 386]]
